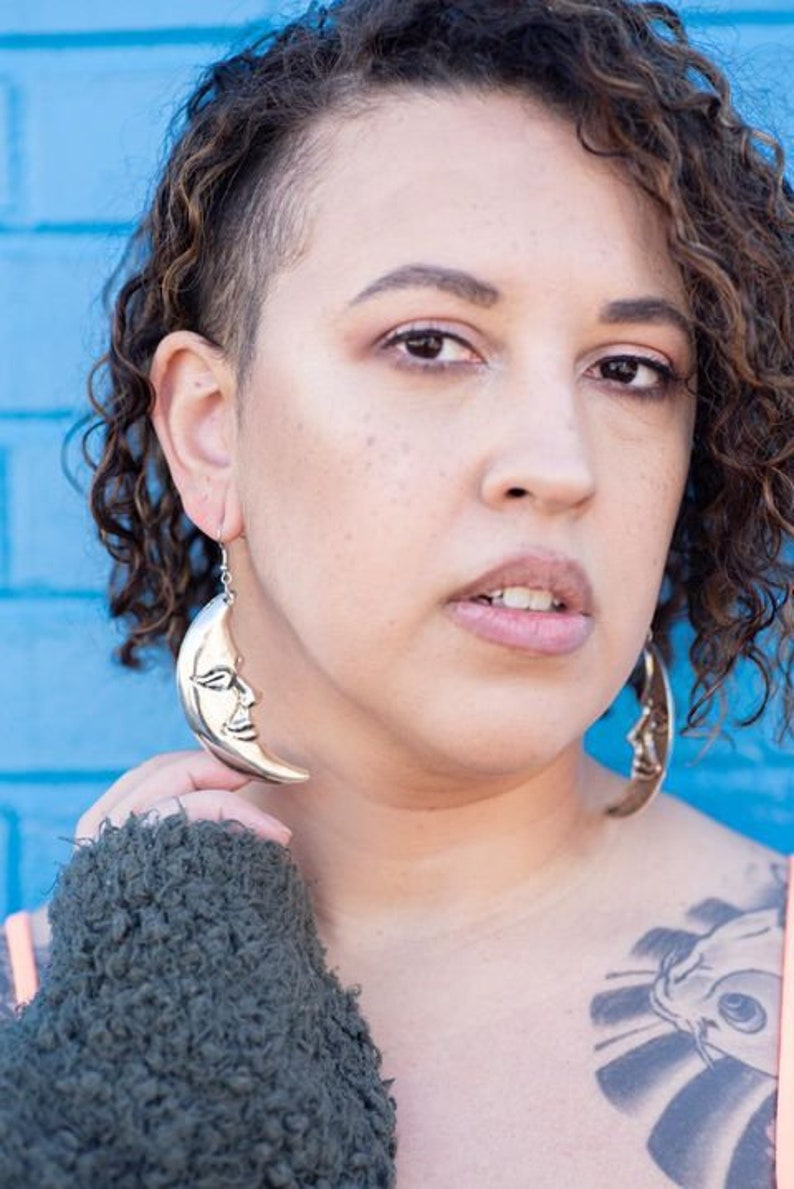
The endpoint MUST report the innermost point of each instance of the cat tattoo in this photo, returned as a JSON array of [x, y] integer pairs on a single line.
[[691, 1048]]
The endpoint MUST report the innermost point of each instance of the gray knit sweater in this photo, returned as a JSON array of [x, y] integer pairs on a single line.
[[189, 1033]]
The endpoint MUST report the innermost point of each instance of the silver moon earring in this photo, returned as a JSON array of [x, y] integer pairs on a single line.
[[651, 737], [216, 700]]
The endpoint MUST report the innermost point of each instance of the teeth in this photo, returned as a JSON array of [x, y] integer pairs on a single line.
[[524, 598]]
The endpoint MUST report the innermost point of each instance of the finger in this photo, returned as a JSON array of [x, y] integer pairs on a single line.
[[164, 775], [215, 805], [130, 780]]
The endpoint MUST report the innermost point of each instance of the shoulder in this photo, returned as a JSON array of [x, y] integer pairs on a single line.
[[698, 852]]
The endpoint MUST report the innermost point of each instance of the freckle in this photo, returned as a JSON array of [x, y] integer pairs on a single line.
[[369, 440]]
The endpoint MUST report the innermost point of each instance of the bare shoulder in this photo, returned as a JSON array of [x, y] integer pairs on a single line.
[[696, 851], [711, 900]]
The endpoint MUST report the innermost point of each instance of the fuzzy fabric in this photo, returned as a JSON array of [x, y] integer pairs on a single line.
[[189, 1033]]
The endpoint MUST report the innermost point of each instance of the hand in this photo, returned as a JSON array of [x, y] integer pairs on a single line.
[[191, 782]]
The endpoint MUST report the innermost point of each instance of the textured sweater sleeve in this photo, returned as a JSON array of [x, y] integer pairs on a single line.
[[189, 1031]]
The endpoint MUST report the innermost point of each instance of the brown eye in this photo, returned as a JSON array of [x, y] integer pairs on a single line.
[[430, 348], [425, 345], [624, 371], [635, 372]]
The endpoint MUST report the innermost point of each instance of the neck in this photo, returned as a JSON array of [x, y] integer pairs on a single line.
[[387, 868], [400, 837]]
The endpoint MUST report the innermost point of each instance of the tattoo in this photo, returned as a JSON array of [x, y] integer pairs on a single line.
[[692, 1039]]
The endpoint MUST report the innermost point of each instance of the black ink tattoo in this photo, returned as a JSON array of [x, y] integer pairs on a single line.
[[692, 1044]]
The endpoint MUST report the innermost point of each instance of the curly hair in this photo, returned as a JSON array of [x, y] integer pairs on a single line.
[[226, 216]]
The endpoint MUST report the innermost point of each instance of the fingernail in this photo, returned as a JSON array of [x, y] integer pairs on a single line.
[[279, 832]]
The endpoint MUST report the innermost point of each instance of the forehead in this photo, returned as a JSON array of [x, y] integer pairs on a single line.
[[492, 182]]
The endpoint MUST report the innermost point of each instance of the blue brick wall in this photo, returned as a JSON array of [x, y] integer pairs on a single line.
[[86, 90]]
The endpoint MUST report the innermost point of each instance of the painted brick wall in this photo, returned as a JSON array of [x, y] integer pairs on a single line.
[[86, 90]]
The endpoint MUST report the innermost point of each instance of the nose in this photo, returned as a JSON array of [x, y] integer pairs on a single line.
[[540, 452]]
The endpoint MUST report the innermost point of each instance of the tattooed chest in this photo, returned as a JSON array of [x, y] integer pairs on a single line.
[[688, 1039]]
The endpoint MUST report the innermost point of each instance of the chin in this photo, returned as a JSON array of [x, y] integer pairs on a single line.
[[478, 754]]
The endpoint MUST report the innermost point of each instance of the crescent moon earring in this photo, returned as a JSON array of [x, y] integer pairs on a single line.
[[651, 737], [216, 700]]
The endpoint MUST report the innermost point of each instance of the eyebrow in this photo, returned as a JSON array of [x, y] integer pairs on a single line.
[[431, 276], [647, 309]]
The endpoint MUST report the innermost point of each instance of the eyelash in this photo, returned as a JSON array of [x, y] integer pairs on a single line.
[[668, 377], [426, 330]]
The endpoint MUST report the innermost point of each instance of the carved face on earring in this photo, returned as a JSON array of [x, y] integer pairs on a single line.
[[223, 679], [217, 701], [642, 737], [651, 737]]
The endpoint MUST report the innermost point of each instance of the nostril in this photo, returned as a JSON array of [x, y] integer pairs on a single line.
[[516, 493]]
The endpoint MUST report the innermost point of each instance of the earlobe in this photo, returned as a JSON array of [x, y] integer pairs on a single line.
[[194, 418]]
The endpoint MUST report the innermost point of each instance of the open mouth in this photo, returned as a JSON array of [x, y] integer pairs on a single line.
[[522, 598], [537, 602]]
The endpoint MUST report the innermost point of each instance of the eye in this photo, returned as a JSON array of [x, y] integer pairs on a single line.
[[640, 374], [429, 348], [742, 1012]]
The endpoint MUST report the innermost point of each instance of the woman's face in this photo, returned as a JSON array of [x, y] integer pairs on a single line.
[[472, 380]]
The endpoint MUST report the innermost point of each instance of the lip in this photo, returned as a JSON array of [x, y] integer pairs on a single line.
[[540, 633]]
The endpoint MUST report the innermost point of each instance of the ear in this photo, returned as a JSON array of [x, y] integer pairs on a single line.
[[194, 419]]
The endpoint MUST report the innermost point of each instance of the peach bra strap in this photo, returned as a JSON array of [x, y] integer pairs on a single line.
[[784, 1132], [19, 940]]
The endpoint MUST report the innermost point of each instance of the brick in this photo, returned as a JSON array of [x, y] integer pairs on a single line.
[[8, 142], [52, 544], [37, 823], [46, 16], [52, 324], [96, 122], [10, 859], [70, 708], [5, 534], [746, 10]]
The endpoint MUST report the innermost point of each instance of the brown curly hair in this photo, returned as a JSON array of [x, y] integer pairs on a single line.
[[226, 215]]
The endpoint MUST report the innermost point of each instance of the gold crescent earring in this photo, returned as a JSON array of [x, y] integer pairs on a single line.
[[651, 737], [216, 700]]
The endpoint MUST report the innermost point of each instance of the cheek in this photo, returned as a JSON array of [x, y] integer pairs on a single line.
[[338, 505], [643, 481], [647, 459]]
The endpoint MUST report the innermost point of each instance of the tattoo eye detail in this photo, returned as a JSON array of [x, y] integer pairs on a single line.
[[742, 1012], [688, 1043]]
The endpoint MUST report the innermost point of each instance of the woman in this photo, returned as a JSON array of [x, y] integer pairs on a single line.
[[465, 329]]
